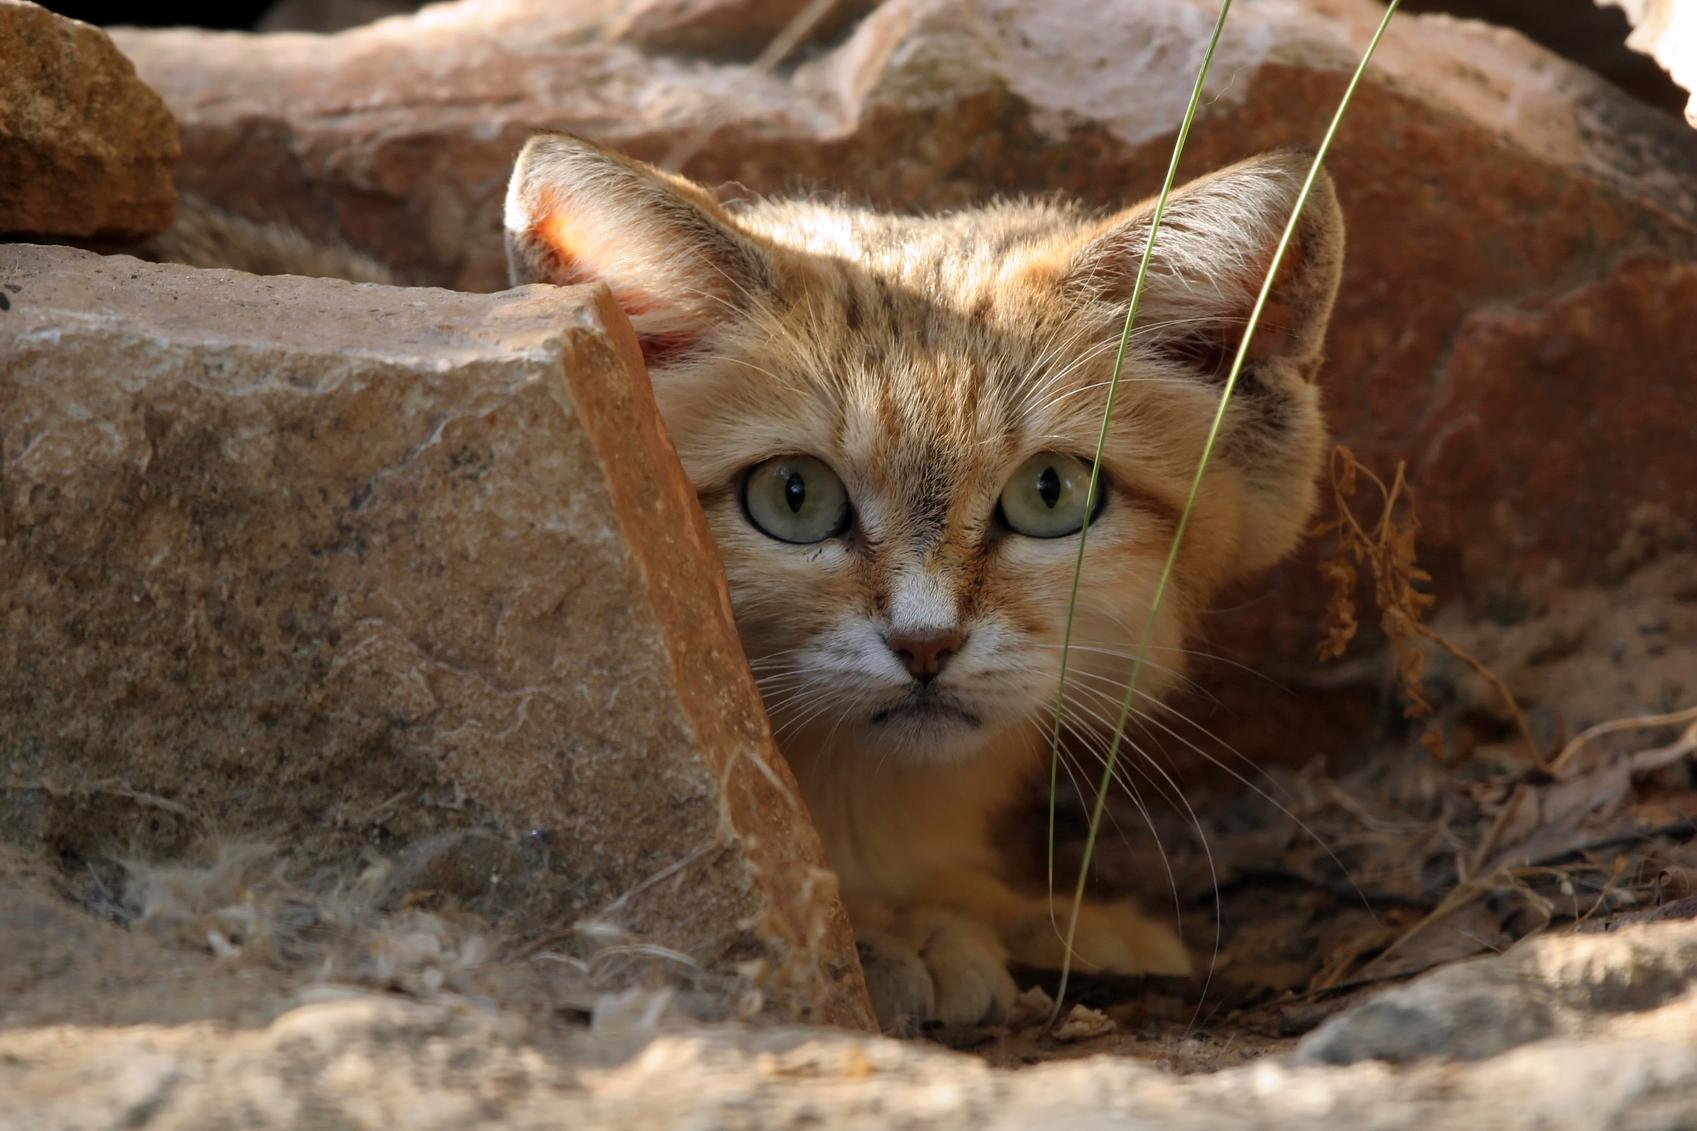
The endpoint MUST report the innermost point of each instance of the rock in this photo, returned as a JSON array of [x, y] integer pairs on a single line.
[[86, 148], [1666, 30], [729, 29], [329, 15], [348, 1057], [358, 568], [1568, 987], [1592, 35], [1521, 232]]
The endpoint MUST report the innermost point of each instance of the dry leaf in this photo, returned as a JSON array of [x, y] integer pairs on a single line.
[[1083, 1024]]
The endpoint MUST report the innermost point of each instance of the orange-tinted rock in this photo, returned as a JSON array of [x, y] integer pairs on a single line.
[[1483, 180], [358, 567], [86, 148]]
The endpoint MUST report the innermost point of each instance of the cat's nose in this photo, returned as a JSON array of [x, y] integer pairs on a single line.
[[926, 650]]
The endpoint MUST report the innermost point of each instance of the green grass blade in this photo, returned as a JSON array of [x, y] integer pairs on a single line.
[[1107, 417], [1141, 656]]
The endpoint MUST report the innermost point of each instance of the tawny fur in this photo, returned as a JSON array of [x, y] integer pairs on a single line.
[[922, 359]]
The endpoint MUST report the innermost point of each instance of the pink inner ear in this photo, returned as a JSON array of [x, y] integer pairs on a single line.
[[564, 240], [662, 349], [562, 234]]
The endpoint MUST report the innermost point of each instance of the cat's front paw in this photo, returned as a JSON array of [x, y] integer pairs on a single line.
[[934, 965], [1112, 938]]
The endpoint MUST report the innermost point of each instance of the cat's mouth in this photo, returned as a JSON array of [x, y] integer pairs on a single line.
[[925, 708]]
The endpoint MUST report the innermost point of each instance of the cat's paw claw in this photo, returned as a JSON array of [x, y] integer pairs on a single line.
[[936, 967], [970, 971], [902, 992]]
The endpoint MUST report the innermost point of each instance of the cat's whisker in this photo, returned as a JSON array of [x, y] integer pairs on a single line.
[[1037, 397], [1199, 727], [1307, 830], [1074, 669], [1042, 383], [1132, 631], [1202, 836], [1101, 650], [1122, 778], [1103, 727], [783, 708], [744, 363], [1071, 727]]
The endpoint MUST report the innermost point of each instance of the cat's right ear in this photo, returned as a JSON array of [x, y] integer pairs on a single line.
[[674, 261]]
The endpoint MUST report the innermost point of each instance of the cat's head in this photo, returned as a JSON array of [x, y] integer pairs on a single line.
[[890, 420]]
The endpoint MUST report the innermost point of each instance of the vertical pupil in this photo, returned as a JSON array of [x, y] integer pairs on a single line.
[[795, 491], [1049, 487]]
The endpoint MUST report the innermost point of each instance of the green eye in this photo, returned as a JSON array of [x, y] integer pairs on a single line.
[[1045, 496], [796, 499]]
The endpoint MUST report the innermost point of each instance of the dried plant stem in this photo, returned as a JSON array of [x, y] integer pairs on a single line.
[[1615, 726], [1400, 606]]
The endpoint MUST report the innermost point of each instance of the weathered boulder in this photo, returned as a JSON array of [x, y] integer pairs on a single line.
[[329, 15], [1666, 30], [1554, 988], [355, 567], [730, 29], [1625, 1058], [86, 148], [1521, 233]]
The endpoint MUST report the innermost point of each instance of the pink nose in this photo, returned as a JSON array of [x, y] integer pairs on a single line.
[[925, 651]]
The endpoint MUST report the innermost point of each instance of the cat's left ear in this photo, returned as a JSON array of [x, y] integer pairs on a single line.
[[675, 262], [1215, 244], [1209, 262]]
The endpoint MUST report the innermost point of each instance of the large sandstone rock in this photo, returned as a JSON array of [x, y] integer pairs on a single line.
[[1521, 233], [86, 148], [369, 568]]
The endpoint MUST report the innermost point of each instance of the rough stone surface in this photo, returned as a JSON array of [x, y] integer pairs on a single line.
[[1521, 233], [1666, 30], [86, 148], [375, 568], [729, 29], [330, 15], [1586, 31], [1550, 988], [1623, 1054]]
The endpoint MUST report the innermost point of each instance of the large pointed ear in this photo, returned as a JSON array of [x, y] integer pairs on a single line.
[[672, 257], [1209, 262], [1211, 255]]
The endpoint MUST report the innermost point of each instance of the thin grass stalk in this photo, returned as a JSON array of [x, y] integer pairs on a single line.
[[1107, 417], [1100, 803]]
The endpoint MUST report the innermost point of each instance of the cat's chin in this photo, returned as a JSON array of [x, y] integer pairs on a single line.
[[928, 730]]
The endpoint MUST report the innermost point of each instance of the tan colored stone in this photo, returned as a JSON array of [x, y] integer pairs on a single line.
[[330, 15], [1666, 30], [1504, 207], [1566, 1033], [729, 29], [353, 566], [86, 149]]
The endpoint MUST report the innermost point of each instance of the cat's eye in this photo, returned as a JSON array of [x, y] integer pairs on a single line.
[[796, 499], [1045, 496]]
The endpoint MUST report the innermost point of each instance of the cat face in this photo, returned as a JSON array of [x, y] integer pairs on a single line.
[[891, 422]]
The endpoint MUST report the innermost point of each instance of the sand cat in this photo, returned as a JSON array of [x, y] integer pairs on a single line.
[[890, 421]]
